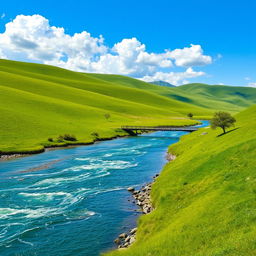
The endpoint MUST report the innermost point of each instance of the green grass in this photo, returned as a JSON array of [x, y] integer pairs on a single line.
[[40, 101], [212, 97], [205, 199]]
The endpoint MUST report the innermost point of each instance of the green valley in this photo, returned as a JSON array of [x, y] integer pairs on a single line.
[[38, 102]]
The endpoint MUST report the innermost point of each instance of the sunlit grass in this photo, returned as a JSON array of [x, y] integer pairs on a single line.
[[205, 199]]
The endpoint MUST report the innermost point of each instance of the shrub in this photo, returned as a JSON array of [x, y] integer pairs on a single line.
[[50, 139], [60, 138], [69, 137]]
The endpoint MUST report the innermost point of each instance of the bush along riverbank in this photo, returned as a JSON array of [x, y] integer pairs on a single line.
[[15, 154], [51, 144]]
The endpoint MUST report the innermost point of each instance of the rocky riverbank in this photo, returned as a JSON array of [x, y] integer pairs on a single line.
[[142, 199], [9, 157]]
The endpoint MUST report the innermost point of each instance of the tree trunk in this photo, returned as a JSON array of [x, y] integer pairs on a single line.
[[224, 131]]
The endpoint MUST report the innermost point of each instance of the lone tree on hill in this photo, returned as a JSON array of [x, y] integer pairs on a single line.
[[107, 116], [190, 115], [223, 120]]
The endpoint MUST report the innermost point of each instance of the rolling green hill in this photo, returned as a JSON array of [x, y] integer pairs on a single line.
[[38, 102], [205, 198], [211, 97]]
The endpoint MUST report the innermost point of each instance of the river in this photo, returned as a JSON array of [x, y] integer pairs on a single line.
[[74, 201]]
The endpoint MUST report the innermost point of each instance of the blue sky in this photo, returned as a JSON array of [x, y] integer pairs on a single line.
[[225, 30]]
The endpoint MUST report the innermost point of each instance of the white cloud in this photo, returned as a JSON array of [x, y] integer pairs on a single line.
[[2, 15], [252, 85], [174, 78], [31, 38], [129, 57], [190, 56]]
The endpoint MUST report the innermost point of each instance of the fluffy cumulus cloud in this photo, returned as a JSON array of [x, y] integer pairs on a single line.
[[190, 56], [32, 38]]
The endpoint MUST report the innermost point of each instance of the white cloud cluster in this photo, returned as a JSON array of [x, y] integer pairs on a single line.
[[31, 38], [174, 78], [252, 85], [190, 56]]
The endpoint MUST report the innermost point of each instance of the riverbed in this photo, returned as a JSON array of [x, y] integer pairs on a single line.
[[74, 201]]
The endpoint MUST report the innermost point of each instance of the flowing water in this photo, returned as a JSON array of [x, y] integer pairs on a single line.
[[74, 201]]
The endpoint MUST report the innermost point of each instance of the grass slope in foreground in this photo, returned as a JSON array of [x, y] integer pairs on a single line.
[[38, 102], [205, 199]]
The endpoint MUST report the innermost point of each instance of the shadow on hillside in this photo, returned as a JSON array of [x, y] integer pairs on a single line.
[[228, 132]]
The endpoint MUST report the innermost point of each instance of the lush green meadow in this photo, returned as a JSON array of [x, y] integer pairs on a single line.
[[205, 199], [38, 102]]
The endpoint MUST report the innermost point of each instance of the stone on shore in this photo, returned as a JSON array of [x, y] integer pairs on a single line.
[[117, 241], [142, 199], [123, 235], [131, 189], [133, 231]]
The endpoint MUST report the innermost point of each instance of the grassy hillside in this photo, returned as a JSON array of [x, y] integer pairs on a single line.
[[239, 97], [212, 97], [205, 199], [39, 101]]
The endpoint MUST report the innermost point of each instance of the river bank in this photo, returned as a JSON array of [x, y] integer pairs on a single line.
[[143, 201], [4, 156], [9, 155]]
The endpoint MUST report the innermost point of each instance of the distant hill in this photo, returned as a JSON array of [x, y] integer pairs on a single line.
[[162, 83], [216, 97], [212, 97], [239, 97]]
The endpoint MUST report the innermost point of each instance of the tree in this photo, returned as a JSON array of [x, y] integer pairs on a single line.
[[190, 115], [107, 116], [223, 120]]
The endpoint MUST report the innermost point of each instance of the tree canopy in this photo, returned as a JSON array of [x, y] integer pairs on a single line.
[[223, 120], [190, 115]]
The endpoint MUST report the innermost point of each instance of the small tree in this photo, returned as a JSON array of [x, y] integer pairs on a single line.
[[190, 115], [223, 120], [107, 116]]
